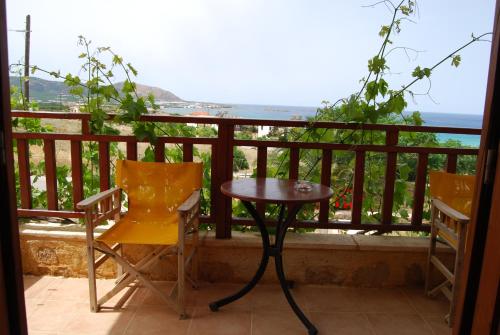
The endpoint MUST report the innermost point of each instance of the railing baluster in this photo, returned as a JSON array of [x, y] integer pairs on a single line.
[[49, 149], [390, 177], [187, 152], [261, 173], [104, 163], [214, 181], [326, 179], [159, 151], [294, 164], [86, 125], [23, 158], [223, 213], [357, 193], [76, 172], [451, 163], [132, 151], [419, 192]]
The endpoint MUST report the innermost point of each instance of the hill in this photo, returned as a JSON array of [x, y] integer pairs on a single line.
[[52, 90]]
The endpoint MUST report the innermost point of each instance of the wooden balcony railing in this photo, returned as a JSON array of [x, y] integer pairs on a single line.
[[222, 165]]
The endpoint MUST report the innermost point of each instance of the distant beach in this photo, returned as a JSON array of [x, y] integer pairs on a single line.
[[275, 112]]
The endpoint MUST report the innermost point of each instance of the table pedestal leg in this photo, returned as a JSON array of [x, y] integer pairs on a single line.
[[214, 306], [276, 252]]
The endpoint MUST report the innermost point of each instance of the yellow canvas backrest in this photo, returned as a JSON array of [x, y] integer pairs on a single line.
[[454, 190], [152, 186]]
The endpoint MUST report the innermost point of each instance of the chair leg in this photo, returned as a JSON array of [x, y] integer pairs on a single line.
[[459, 258], [94, 307], [195, 259], [432, 252], [181, 281]]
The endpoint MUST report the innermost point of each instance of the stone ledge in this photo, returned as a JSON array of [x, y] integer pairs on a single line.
[[347, 260], [328, 242]]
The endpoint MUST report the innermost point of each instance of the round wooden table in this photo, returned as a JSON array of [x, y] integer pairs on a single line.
[[284, 193]]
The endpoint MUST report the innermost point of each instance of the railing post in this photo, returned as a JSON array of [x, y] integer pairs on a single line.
[[357, 195], [261, 173], [419, 192], [326, 179], [23, 159], [390, 176], [451, 163], [76, 172], [49, 149], [224, 172]]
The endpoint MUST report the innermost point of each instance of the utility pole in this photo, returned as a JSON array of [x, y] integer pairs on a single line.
[[27, 59]]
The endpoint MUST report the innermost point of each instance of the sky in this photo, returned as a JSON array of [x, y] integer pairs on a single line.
[[280, 52]]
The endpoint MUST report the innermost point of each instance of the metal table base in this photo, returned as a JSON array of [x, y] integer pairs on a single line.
[[275, 251]]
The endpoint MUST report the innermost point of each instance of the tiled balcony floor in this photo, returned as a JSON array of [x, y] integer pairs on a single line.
[[60, 306]]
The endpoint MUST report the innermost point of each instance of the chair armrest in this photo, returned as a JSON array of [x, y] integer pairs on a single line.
[[190, 203], [450, 212], [92, 200]]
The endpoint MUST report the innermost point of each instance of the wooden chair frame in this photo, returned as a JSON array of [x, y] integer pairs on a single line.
[[450, 224], [107, 205]]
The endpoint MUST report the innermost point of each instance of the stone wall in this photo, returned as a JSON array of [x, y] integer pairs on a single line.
[[350, 260]]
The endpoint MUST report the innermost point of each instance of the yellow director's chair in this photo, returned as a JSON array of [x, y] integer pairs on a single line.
[[163, 207], [451, 200]]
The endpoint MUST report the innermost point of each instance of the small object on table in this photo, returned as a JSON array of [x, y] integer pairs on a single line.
[[286, 193], [303, 186]]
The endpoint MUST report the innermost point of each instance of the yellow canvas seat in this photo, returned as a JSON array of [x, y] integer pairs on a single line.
[[163, 207], [451, 202]]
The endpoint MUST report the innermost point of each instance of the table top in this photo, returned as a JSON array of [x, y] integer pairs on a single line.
[[272, 190]]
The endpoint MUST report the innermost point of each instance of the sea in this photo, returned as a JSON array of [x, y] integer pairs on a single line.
[[276, 112]]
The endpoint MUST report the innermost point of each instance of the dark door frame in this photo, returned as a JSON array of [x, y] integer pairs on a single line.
[[478, 302], [12, 308]]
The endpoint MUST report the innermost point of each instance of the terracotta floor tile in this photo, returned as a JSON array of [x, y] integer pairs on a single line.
[[223, 322], [105, 322], [384, 301], [152, 320], [438, 325], [341, 323], [37, 287], [276, 322], [208, 293], [79, 288], [58, 305], [426, 305], [52, 315], [134, 301], [400, 324], [271, 298], [331, 299]]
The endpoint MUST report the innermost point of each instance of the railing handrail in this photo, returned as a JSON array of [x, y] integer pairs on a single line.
[[258, 122]]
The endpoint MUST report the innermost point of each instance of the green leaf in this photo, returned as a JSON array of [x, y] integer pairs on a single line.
[[384, 30], [371, 90], [417, 118], [117, 59], [382, 87], [128, 86], [134, 71], [404, 171], [455, 60], [82, 55], [376, 64], [418, 73], [396, 104]]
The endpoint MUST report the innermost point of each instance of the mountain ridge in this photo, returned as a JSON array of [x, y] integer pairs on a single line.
[[53, 90]]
